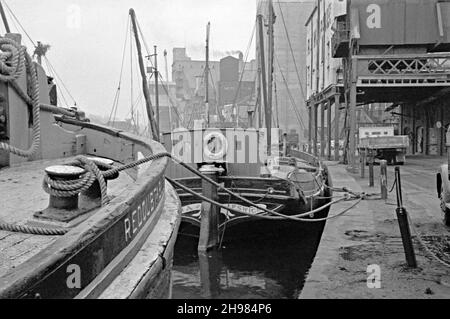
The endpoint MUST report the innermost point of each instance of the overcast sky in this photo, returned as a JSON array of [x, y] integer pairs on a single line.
[[87, 38]]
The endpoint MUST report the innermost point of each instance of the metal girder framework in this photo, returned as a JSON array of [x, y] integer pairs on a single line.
[[404, 70]]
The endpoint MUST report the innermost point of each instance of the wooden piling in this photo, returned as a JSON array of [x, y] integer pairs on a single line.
[[383, 180], [363, 163], [371, 173], [210, 269], [209, 229]]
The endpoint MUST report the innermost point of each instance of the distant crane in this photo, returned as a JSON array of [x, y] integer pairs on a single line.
[[208, 29]]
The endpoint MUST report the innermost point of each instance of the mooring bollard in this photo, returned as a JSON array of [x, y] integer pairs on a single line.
[[209, 229], [363, 163], [383, 179], [64, 173], [371, 174], [402, 216]]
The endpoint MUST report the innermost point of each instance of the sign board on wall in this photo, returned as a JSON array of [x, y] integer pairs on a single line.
[[401, 22]]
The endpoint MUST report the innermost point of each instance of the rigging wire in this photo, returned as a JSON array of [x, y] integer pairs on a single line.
[[145, 43], [61, 93], [292, 52], [213, 82], [166, 89], [60, 80], [245, 63], [293, 104], [18, 22], [119, 87], [134, 102], [131, 76], [50, 67], [277, 118]]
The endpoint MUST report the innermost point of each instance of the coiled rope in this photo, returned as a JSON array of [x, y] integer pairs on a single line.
[[71, 188], [14, 60]]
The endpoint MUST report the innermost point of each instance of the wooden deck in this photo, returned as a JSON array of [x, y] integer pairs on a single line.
[[22, 196]]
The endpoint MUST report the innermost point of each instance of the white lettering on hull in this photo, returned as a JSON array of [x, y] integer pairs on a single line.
[[137, 219]]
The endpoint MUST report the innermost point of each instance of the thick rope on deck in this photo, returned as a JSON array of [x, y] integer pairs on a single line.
[[71, 188], [13, 61], [33, 230]]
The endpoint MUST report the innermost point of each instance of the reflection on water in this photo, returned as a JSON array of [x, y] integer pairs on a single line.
[[264, 260]]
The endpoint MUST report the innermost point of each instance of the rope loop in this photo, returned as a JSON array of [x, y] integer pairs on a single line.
[[74, 187], [13, 61]]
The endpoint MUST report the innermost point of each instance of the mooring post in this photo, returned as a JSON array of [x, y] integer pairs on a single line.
[[210, 269], [402, 216], [285, 145], [209, 229], [383, 179], [363, 163], [371, 174]]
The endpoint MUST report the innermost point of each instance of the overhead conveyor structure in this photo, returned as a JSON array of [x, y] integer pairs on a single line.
[[393, 52]]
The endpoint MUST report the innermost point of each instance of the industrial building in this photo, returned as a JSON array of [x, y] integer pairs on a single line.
[[231, 82], [289, 98], [394, 54], [169, 116]]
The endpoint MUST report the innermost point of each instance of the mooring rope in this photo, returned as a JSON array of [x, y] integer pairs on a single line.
[[13, 61], [64, 188], [278, 215], [14, 228], [13, 58]]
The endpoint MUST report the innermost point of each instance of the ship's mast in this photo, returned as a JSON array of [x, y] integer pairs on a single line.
[[267, 96], [270, 80], [168, 90], [5, 20], [156, 74], [208, 28], [270, 65], [259, 92], [148, 103]]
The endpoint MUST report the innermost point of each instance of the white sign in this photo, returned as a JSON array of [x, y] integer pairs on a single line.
[[196, 208], [374, 19]]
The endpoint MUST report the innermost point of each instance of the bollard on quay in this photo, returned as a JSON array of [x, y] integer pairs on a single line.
[[402, 217], [363, 163], [371, 173], [383, 180]]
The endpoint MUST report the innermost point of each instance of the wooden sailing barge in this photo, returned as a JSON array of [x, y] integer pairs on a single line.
[[254, 178], [80, 217]]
